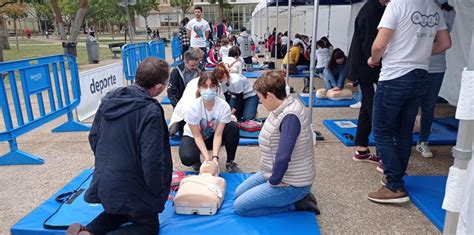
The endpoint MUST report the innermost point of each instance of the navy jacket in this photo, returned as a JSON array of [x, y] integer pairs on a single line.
[[133, 166], [365, 31]]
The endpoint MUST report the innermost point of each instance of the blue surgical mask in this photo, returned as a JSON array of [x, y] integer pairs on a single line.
[[209, 94]]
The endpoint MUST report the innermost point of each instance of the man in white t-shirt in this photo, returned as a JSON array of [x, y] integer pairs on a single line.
[[405, 42], [198, 32]]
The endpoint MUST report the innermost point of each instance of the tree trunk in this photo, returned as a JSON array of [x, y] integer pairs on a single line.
[[59, 19], [76, 26], [146, 25], [16, 35], [132, 18], [4, 35]]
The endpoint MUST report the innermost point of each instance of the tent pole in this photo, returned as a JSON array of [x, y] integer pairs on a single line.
[[464, 143], [287, 87], [268, 36], [312, 58], [276, 44]]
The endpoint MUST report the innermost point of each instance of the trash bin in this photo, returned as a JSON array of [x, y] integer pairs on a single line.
[[93, 49], [70, 48]]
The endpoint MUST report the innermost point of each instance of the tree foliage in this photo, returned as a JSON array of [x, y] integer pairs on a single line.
[[222, 4], [144, 7], [183, 5], [15, 10]]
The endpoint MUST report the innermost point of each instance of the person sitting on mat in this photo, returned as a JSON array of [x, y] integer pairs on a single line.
[[333, 74], [239, 92], [208, 126], [287, 169], [133, 164], [233, 62]]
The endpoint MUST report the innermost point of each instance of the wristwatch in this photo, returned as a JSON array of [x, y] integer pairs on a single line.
[[215, 156]]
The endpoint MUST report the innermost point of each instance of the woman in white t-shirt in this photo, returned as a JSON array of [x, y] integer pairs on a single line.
[[233, 62], [208, 126], [242, 97], [323, 55], [225, 47]]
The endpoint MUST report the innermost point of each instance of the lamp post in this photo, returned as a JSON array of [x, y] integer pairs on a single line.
[[168, 18]]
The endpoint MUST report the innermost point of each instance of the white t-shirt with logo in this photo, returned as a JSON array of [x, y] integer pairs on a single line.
[[415, 24], [198, 32], [196, 114], [238, 83]]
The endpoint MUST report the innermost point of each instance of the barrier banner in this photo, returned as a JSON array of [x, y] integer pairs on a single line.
[[95, 83]]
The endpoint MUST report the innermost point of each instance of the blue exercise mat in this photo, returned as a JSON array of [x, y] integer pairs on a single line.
[[451, 122], [345, 131], [224, 222], [251, 74], [165, 100], [249, 134], [175, 140], [326, 102], [427, 193]]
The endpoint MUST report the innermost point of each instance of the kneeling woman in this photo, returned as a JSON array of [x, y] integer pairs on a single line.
[[242, 97], [208, 126], [287, 170]]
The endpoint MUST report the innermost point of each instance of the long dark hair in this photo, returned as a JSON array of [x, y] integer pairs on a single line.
[[203, 77], [336, 54]]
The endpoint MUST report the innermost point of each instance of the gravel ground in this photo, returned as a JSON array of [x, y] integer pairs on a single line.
[[341, 185]]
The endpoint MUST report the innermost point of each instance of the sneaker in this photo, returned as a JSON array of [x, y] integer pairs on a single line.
[[356, 105], [385, 195], [308, 203], [422, 147], [365, 156], [196, 166], [380, 167], [231, 167]]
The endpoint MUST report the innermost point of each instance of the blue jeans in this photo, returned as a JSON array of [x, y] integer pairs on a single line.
[[255, 197], [428, 103], [335, 79], [249, 110], [395, 107], [302, 68]]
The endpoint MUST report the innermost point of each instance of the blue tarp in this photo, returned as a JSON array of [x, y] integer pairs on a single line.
[[224, 222]]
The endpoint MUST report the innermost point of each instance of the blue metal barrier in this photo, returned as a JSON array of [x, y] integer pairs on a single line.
[[55, 77], [132, 56], [157, 49], [176, 51]]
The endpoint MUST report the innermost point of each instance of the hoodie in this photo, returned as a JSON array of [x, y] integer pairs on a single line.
[[365, 31], [133, 166], [245, 43]]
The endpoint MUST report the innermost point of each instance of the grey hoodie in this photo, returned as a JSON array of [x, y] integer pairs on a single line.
[[245, 43]]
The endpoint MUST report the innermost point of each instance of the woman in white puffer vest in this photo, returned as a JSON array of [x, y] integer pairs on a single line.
[[287, 170]]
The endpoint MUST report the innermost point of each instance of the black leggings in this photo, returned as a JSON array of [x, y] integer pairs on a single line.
[[189, 151], [364, 123]]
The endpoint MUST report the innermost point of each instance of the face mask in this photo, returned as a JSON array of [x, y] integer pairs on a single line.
[[209, 94]]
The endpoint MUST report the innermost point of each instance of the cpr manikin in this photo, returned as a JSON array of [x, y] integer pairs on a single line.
[[201, 194], [344, 94]]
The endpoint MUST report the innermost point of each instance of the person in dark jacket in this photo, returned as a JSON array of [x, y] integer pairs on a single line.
[[182, 74], [133, 166], [357, 70]]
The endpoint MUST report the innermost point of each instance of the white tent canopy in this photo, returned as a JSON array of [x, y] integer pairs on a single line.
[[333, 21]]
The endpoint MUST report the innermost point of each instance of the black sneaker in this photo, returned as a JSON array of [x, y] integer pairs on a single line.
[[308, 203], [196, 166], [231, 167]]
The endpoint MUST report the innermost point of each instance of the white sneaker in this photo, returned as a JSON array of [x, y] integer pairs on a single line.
[[422, 147], [356, 105]]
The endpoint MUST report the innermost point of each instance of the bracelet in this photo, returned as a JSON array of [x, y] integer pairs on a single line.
[[215, 156]]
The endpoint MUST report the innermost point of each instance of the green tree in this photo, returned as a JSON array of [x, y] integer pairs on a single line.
[[79, 17], [58, 18], [222, 4], [15, 11], [144, 8], [183, 5]]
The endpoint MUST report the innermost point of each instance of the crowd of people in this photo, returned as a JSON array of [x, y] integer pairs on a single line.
[[390, 49]]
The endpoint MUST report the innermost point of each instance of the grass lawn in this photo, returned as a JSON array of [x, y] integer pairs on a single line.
[[32, 51], [26, 41]]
